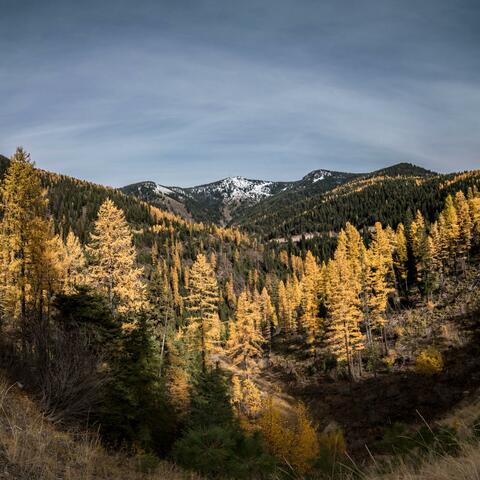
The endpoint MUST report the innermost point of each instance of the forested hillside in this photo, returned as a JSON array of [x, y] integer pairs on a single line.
[[233, 358]]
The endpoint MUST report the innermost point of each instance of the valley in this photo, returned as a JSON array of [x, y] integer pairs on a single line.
[[311, 352]]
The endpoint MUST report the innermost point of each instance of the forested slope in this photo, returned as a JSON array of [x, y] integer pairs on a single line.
[[201, 345]]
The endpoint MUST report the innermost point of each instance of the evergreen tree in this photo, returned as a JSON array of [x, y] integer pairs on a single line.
[[162, 308]]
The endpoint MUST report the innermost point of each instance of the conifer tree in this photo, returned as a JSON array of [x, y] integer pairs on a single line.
[[230, 296], [400, 255], [244, 346], [379, 259], [75, 263], [310, 302], [474, 205], [112, 261], [284, 308], [162, 307], [201, 303], [268, 316], [24, 235], [450, 233], [465, 227], [344, 337]]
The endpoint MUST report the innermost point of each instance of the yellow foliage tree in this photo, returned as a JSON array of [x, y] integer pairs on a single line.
[[244, 346], [112, 267], [24, 236], [344, 337], [310, 302], [201, 304]]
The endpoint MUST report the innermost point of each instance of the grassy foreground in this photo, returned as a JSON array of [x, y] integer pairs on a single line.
[[32, 448]]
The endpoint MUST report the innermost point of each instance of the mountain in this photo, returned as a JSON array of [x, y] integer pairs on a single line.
[[257, 203], [226, 201], [213, 202]]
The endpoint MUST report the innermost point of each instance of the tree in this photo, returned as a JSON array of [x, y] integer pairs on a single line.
[[75, 262], [24, 235], [465, 227], [244, 346], [268, 316], [450, 232], [310, 301], [162, 308], [474, 204], [204, 328], [112, 261], [344, 337], [378, 287], [400, 255]]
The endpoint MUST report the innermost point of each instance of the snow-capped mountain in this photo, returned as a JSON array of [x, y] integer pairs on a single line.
[[233, 190], [225, 200]]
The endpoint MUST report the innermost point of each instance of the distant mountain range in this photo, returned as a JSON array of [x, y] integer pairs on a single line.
[[314, 208], [230, 200], [225, 201]]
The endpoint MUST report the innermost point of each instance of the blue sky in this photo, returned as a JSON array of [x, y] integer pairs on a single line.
[[185, 92]]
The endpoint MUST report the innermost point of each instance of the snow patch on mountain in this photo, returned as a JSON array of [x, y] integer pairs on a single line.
[[236, 189], [162, 189], [318, 175]]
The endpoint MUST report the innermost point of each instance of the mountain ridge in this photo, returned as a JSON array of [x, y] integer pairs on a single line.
[[228, 200]]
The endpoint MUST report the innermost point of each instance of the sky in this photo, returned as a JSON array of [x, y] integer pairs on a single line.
[[184, 92]]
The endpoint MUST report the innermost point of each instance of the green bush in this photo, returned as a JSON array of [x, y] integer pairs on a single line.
[[222, 451]]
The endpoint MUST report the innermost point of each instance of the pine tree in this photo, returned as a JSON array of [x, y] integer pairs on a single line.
[[244, 346], [112, 261], [24, 236], [201, 303], [162, 307]]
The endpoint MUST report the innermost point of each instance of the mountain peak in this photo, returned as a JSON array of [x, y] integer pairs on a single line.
[[403, 168]]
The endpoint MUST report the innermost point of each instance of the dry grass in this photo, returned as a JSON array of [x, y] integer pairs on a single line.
[[463, 466], [31, 448]]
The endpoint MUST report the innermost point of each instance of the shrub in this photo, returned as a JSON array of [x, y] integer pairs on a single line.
[[429, 362], [297, 445], [219, 451]]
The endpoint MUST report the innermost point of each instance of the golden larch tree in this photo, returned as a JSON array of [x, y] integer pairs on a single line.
[[244, 346], [113, 267], [310, 301], [201, 305], [344, 336], [24, 235]]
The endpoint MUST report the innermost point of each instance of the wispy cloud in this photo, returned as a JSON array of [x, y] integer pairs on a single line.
[[184, 95]]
